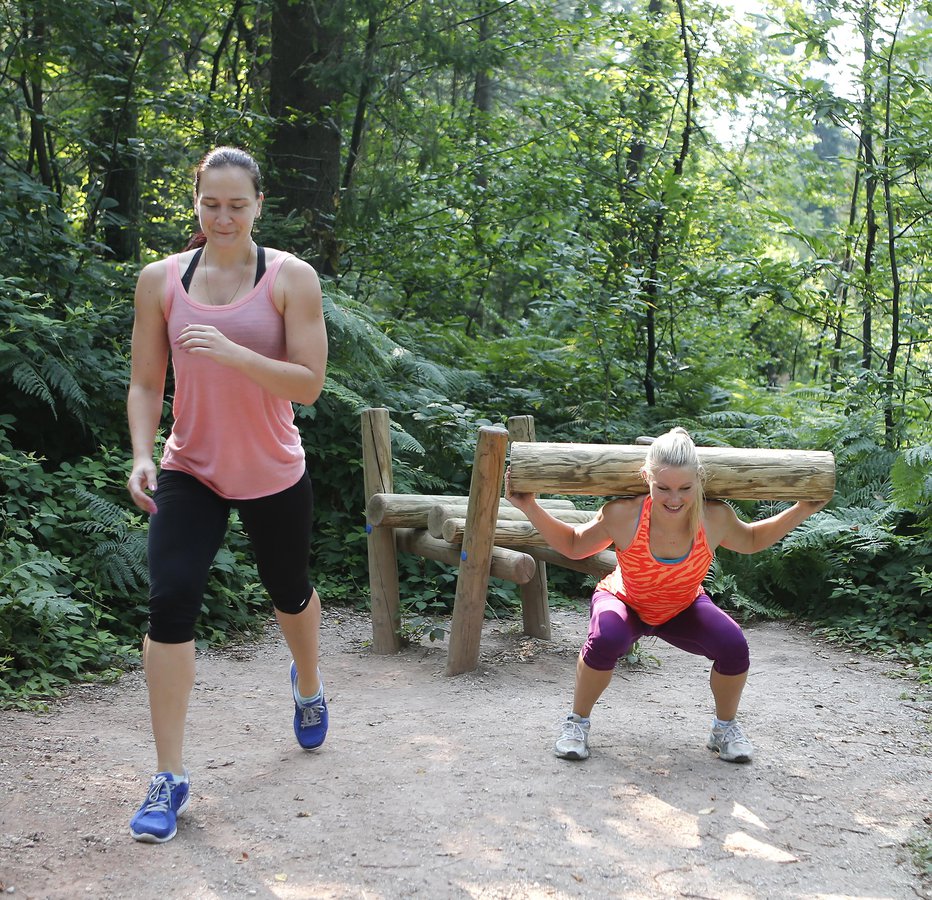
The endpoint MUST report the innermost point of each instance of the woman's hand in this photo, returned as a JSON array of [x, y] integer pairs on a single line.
[[208, 341], [141, 483], [520, 500]]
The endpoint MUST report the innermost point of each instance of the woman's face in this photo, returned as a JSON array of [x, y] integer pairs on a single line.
[[674, 489], [226, 204]]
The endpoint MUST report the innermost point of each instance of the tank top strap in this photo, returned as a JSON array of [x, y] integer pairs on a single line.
[[274, 267], [171, 282], [642, 532], [189, 272], [260, 264]]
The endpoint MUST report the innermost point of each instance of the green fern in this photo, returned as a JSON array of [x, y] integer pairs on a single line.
[[865, 530], [122, 556], [911, 477]]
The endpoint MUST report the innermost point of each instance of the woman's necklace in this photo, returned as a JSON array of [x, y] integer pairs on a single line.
[[239, 284]]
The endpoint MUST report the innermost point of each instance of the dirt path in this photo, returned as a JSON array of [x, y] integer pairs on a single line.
[[441, 787]]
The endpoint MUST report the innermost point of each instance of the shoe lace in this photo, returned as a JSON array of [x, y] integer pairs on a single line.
[[159, 796], [734, 735], [310, 715], [574, 730]]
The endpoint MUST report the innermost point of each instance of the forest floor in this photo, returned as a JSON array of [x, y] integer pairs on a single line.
[[438, 787]]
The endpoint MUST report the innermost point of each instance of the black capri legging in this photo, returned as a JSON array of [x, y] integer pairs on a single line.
[[187, 531]]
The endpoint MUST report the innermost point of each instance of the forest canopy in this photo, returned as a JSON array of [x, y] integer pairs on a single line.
[[614, 217]]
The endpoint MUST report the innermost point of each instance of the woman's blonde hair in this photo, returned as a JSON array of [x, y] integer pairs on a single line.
[[676, 450]]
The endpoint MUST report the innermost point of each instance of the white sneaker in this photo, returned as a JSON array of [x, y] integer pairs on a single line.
[[731, 743], [573, 742]]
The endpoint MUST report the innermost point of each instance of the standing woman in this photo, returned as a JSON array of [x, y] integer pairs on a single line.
[[664, 544], [245, 331]]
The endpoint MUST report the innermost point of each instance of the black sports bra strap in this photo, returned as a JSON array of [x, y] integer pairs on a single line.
[[189, 272]]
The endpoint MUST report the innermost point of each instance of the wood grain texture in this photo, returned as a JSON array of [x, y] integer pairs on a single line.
[[472, 584], [614, 469], [510, 565], [383, 558], [411, 510]]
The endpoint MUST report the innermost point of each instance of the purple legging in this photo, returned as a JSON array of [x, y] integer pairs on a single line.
[[702, 628]]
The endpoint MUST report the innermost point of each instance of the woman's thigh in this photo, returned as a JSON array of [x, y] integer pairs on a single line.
[[706, 630]]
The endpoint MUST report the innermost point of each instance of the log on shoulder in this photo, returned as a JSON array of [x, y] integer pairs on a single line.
[[731, 473]]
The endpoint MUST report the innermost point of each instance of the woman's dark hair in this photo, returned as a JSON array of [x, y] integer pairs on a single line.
[[219, 158]]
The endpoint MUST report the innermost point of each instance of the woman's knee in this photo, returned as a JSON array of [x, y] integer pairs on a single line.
[[173, 615], [610, 637], [291, 599], [732, 656]]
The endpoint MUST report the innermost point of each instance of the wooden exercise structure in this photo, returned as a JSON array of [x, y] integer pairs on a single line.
[[485, 536]]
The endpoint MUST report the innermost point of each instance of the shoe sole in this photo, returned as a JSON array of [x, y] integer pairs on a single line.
[[741, 758], [145, 838], [572, 754]]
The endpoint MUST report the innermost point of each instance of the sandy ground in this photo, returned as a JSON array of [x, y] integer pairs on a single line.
[[439, 787]]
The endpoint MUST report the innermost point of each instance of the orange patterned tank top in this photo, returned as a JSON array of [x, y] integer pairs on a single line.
[[657, 589]]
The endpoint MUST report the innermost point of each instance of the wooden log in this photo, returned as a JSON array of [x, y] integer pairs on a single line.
[[535, 604], [508, 532], [510, 565], [597, 566], [441, 512], [383, 558], [731, 473], [411, 510], [485, 489]]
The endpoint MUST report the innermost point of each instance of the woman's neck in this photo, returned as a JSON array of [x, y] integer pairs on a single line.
[[229, 256]]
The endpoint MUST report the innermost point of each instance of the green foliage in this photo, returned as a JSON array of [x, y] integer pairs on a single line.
[[551, 248]]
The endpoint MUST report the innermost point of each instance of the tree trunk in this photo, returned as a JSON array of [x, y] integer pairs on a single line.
[[304, 175], [895, 285], [870, 186], [365, 86]]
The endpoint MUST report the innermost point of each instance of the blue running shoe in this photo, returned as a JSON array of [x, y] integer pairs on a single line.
[[156, 821], [310, 718]]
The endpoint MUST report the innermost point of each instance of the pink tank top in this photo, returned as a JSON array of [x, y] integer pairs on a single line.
[[228, 432], [656, 589]]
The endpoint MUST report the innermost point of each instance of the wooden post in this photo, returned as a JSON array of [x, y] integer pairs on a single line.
[[383, 558], [535, 606], [485, 488], [731, 473], [510, 565]]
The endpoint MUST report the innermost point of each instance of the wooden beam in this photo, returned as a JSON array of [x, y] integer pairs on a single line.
[[597, 566], [485, 489], [614, 469], [508, 532], [441, 512], [383, 559], [411, 510], [510, 565]]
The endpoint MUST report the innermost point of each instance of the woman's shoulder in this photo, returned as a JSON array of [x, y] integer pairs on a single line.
[[295, 277], [159, 268], [718, 517], [620, 518], [715, 511], [622, 510], [288, 260], [153, 275]]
